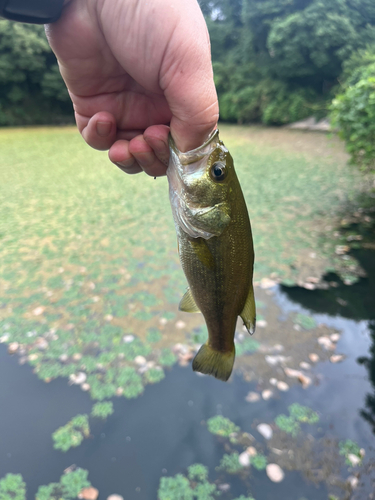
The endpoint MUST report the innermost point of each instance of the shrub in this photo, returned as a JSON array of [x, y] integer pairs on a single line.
[[353, 112]]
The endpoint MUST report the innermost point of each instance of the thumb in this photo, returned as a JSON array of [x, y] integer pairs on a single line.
[[186, 77]]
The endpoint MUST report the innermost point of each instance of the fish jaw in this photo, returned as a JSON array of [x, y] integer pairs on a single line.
[[184, 174]]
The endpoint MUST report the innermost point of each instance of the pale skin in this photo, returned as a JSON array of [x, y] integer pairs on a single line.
[[136, 69]]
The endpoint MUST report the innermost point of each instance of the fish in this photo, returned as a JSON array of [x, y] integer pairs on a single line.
[[215, 246]]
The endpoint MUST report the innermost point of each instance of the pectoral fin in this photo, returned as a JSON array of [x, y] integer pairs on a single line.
[[203, 253], [248, 314], [188, 304]]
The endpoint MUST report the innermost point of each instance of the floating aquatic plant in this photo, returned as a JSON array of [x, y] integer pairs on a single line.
[[195, 486], [297, 414], [133, 390], [303, 413], [246, 346], [167, 358], [259, 461], [12, 487], [153, 336], [199, 335], [242, 497], [349, 447], [71, 434], [306, 322], [221, 426], [175, 488], [154, 375], [102, 410], [287, 424], [71, 483], [197, 472], [230, 463]]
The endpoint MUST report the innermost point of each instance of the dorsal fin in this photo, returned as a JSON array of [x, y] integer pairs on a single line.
[[188, 304]]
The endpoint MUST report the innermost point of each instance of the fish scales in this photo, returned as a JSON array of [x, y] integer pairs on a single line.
[[215, 248]]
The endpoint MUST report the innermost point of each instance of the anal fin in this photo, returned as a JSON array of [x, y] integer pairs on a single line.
[[188, 304], [248, 314]]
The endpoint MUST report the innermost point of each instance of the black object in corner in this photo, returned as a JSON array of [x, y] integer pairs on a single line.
[[31, 11]]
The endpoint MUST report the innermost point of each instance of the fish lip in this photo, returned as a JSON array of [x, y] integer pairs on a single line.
[[196, 154]]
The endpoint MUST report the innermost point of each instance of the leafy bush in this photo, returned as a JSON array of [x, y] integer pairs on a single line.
[[102, 410], [221, 426], [72, 434], [353, 112], [12, 487]]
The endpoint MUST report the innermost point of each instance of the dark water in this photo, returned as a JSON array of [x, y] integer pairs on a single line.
[[162, 432]]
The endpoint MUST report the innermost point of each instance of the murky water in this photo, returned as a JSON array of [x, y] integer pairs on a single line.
[[162, 432]]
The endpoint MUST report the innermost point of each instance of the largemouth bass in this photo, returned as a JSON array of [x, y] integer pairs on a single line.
[[215, 246]]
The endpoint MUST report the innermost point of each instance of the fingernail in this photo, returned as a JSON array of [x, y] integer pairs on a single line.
[[103, 128], [162, 151], [145, 159], [126, 163]]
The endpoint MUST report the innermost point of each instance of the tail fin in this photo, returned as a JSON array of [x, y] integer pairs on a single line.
[[216, 363]]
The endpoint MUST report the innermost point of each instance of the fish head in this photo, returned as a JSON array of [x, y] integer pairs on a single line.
[[200, 184]]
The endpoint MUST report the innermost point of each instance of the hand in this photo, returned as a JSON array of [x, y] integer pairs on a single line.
[[133, 67]]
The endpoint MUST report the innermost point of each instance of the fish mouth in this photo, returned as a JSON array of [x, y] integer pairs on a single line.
[[197, 154]]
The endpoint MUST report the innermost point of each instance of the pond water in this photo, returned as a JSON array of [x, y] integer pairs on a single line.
[[163, 431], [89, 289]]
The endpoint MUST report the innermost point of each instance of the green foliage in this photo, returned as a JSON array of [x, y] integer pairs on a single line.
[[221, 426], [230, 463], [175, 488], [307, 322], [167, 358], [71, 434], [199, 335], [259, 461], [297, 414], [303, 414], [353, 110], [242, 497], [195, 486], [153, 336], [154, 375], [205, 491], [247, 346], [102, 410], [71, 483], [349, 447], [12, 487], [31, 88], [287, 424], [197, 472]]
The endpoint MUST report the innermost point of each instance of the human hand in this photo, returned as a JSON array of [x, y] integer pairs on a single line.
[[132, 67]]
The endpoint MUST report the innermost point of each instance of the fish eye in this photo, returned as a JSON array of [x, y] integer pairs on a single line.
[[218, 171]]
